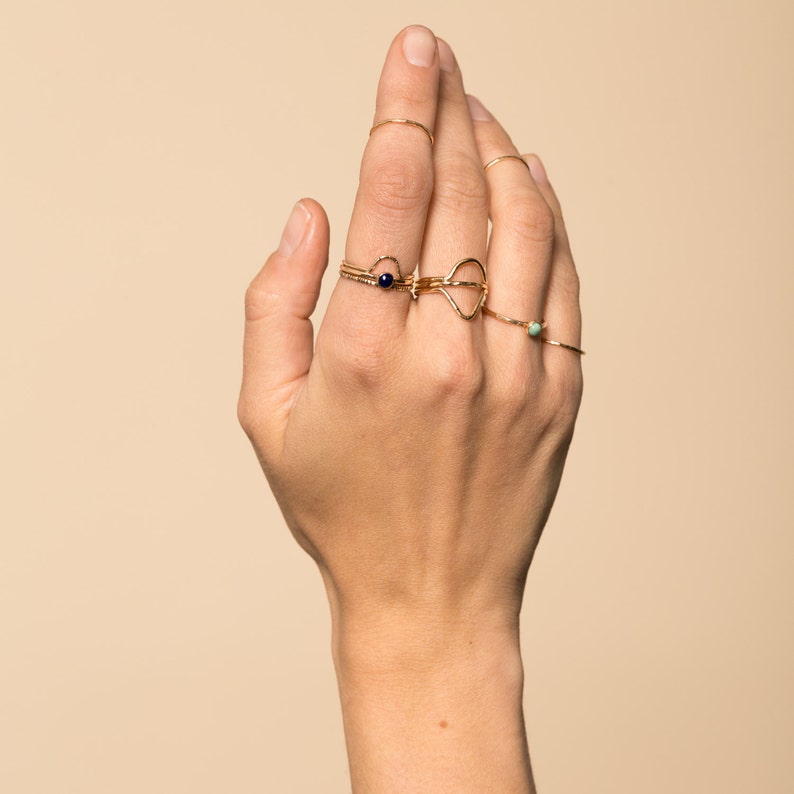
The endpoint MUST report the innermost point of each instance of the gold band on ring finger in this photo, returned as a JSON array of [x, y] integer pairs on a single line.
[[533, 328], [505, 157], [562, 344]]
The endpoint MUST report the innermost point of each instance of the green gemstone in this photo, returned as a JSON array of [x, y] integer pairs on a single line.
[[533, 329]]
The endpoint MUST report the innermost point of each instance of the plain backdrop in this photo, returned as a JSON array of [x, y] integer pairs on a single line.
[[160, 631]]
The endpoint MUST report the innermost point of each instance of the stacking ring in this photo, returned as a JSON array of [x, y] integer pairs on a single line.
[[384, 280], [403, 121], [562, 344], [505, 157], [440, 284], [532, 327]]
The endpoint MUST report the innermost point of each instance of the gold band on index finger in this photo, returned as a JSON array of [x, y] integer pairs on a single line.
[[383, 279], [410, 122]]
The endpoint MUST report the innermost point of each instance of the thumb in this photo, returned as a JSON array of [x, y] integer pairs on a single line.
[[279, 338]]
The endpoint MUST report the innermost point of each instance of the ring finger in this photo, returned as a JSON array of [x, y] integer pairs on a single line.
[[521, 245]]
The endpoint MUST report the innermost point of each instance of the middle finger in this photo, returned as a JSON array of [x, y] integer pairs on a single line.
[[457, 220]]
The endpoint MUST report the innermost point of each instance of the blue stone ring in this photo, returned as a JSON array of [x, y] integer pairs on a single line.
[[384, 279]]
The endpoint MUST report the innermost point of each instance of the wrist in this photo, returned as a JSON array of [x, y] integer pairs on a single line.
[[409, 643], [433, 699]]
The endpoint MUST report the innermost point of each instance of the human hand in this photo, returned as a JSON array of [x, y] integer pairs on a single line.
[[416, 455]]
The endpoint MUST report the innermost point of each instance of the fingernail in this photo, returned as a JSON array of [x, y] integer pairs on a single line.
[[419, 46], [477, 110], [293, 231], [446, 57], [536, 169]]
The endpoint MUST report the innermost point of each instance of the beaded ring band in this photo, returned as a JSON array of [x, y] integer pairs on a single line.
[[441, 283], [384, 279], [533, 329], [410, 122]]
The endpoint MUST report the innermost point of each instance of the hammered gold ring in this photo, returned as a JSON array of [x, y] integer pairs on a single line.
[[383, 279], [441, 284], [410, 122]]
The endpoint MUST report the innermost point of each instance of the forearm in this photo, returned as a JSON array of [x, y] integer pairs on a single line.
[[433, 706]]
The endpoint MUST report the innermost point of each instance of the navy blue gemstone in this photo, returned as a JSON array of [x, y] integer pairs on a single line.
[[385, 280]]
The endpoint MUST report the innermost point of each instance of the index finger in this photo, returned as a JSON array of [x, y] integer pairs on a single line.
[[396, 179]]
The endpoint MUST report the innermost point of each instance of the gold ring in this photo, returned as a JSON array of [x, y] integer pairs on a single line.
[[403, 121], [384, 279], [532, 327], [440, 284], [505, 157], [562, 344]]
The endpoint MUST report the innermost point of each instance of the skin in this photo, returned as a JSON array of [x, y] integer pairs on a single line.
[[415, 455]]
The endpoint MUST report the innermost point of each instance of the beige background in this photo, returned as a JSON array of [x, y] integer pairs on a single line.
[[159, 629]]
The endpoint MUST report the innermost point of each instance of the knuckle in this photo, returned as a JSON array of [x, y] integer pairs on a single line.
[[244, 415], [249, 416], [260, 301], [411, 94], [571, 287], [564, 398], [454, 370], [358, 357], [512, 390], [399, 186], [462, 190], [531, 220]]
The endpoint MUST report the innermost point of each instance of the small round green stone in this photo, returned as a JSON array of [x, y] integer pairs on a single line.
[[534, 329]]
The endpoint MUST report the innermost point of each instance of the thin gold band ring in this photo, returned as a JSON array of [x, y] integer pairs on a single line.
[[533, 329], [410, 122], [505, 157], [562, 344]]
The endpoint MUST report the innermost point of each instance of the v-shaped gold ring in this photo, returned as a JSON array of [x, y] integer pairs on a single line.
[[441, 283]]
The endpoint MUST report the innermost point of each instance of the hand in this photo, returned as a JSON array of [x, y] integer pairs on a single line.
[[416, 455]]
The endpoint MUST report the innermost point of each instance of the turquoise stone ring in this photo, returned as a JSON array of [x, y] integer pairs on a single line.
[[533, 327]]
